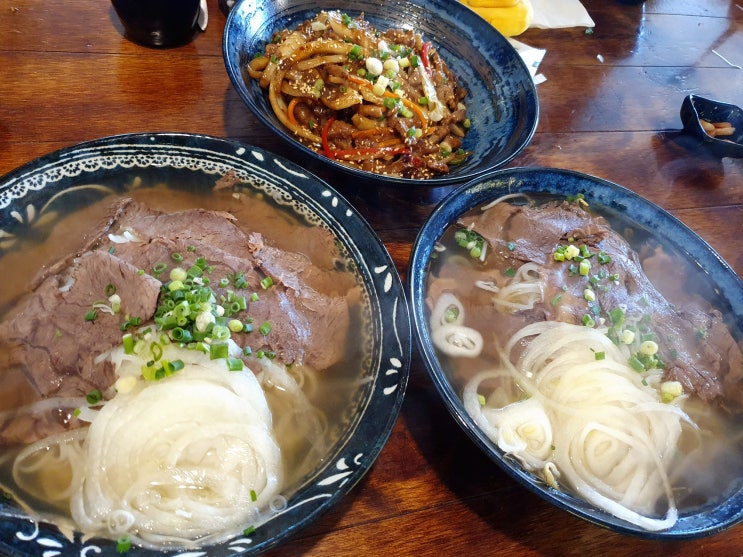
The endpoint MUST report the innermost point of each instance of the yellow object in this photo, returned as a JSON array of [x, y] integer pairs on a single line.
[[509, 17]]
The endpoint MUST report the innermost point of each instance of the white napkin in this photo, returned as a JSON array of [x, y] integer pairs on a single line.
[[532, 57], [554, 14]]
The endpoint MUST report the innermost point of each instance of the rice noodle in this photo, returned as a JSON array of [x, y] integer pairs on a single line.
[[523, 290], [175, 461], [448, 333], [590, 423]]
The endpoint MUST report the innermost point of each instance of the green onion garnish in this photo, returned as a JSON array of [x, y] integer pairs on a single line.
[[218, 350], [234, 364], [94, 397], [123, 544]]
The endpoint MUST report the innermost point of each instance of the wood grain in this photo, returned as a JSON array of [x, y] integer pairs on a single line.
[[609, 107]]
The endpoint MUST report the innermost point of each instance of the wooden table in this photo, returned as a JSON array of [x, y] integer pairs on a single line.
[[609, 107]]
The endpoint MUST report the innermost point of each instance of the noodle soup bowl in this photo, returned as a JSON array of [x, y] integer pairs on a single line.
[[501, 96], [357, 402], [454, 371]]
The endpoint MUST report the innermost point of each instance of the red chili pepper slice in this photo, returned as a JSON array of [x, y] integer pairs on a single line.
[[324, 136], [425, 49]]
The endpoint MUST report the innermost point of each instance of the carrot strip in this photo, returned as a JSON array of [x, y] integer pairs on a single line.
[[412, 106]]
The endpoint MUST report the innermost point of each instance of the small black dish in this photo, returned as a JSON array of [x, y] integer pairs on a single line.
[[696, 108]]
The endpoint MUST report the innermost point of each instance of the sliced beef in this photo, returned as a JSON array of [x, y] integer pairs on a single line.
[[124, 208], [48, 336], [307, 307], [697, 348]]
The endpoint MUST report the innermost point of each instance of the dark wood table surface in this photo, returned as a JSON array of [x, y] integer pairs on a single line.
[[609, 107]]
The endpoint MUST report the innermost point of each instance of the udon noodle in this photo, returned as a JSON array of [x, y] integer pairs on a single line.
[[382, 101]]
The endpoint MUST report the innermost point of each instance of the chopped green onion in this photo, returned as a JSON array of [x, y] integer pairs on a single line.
[[617, 316], [588, 321], [267, 283], [600, 355], [220, 332], [110, 290], [181, 335], [636, 364], [173, 366], [127, 341], [123, 544], [177, 257], [355, 53], [175, 285], [451, 314], [240, 282], [94, 397], [265, 328], [91, 315], [156, 350], [218, 350], [234, 364]]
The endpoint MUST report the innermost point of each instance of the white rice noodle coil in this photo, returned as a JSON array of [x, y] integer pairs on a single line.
[[613, 439], [174, 461]]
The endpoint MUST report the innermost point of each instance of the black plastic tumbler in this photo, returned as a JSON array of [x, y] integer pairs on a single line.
[[159, 23]]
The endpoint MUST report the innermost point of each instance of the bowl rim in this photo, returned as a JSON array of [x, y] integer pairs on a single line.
[[354, 453], [449, 179], [479, 191]]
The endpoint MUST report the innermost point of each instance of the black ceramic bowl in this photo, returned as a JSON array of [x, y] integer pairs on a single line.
[[695, 108], [501, 102], [628, 212], [35, 196]]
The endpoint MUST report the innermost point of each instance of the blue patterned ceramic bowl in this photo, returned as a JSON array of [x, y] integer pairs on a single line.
[[502, 99], [630, 213], [35, 196]]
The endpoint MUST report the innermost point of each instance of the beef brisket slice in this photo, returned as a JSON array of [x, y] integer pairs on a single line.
[[48, 334]]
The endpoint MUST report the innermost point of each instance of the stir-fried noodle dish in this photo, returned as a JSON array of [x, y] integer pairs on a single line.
[[382, 101], [172, 374], [601, 368]]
